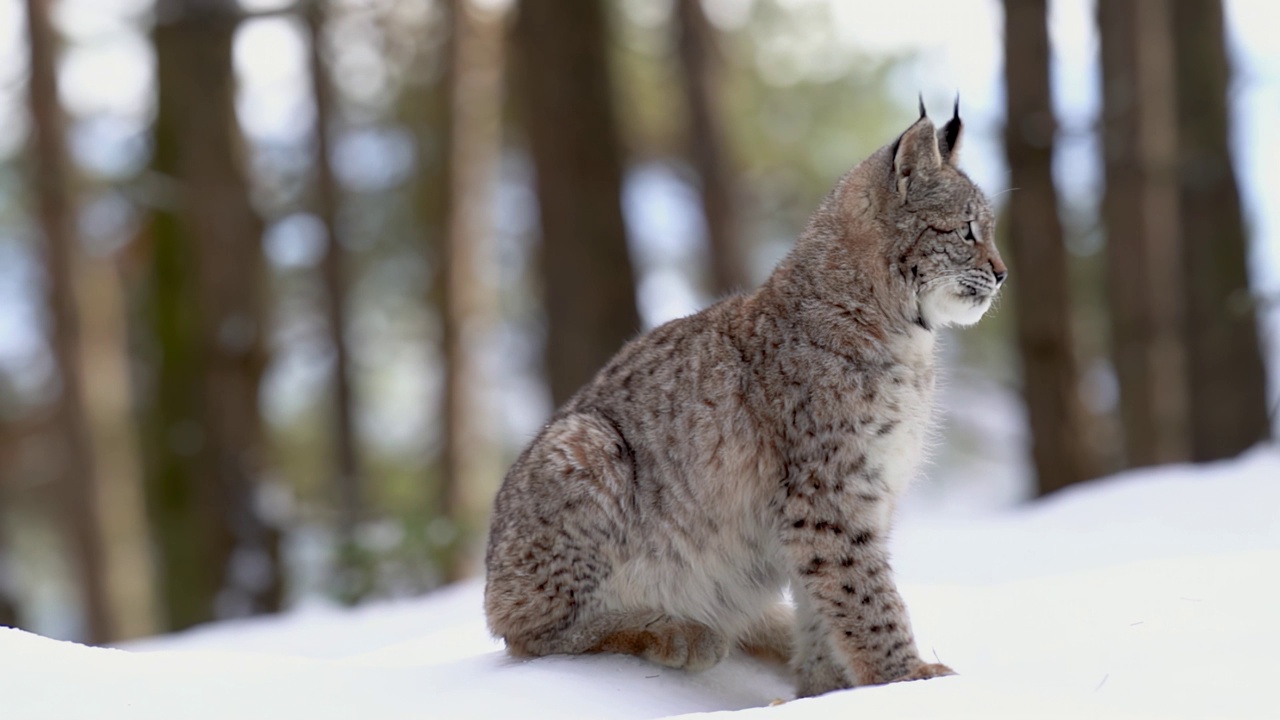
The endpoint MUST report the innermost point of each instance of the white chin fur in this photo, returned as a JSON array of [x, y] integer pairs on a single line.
[[941, 307]]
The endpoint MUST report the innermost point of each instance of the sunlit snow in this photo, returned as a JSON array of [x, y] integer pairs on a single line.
[[1151, 594]]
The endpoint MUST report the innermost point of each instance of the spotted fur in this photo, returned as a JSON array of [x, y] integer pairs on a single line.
[[759, 443]]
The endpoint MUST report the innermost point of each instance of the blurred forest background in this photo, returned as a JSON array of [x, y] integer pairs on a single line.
[[284, 286]]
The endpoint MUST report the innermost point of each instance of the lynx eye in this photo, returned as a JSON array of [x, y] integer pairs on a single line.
[[970, 232]]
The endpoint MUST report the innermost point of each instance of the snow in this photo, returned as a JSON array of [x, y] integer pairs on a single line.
[[1150, 594]]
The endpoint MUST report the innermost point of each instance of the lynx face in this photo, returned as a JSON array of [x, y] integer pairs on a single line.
[[955, 265], [950, 259]]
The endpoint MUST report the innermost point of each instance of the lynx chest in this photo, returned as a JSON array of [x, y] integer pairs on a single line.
[[885, 414], [903, 409]]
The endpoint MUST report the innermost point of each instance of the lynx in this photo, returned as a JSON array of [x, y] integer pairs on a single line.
[[759, 443]]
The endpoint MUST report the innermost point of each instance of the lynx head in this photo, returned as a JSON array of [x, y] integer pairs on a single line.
[[938, 230]]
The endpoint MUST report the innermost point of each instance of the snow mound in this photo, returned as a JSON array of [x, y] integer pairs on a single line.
[[1151, 594]]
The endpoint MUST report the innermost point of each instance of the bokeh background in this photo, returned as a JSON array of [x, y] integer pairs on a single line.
[[284, 286]]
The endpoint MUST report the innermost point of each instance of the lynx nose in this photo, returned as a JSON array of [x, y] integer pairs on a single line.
[[999, 270]]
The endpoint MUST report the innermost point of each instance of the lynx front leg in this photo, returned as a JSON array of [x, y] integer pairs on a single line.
[[817, 667], [843, 569]]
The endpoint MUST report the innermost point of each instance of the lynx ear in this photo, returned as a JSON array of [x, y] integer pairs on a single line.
[[949, 136], [915, 152]]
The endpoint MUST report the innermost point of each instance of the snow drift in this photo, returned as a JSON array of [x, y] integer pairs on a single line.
[[1150, 594]]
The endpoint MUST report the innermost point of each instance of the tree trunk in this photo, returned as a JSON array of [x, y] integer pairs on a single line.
[[57, 216], [346, 470], [202, 431], [1140, 209], [8, 584], [1039, 281], [474, 80], [8, 604], [108, 410], [701, 68], [1228, 406], [567, 96], [14, 432]]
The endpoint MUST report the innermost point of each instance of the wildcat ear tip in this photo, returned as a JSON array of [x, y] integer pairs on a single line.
[[956, 112], [923, 114]]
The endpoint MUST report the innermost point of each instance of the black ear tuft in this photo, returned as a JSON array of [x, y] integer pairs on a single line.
[[923, 114], [949, 135]]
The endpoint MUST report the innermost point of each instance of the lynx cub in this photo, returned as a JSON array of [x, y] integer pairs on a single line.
[[760, 442]]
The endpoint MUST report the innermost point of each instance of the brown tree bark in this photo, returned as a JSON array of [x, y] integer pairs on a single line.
[[346, 467], [566, 91], [203, 342], [57, 217], [109, 408], [15, 430], [701, 81], [474, 80], [1140, 210], [8, 603], [1228, 407], [1039, 280], [8, 585]]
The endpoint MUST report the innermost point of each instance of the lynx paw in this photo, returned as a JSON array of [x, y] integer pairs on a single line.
[[680, 644], [820, 678], [685, 645], [926, 671]]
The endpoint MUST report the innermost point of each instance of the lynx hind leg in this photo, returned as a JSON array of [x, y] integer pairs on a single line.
[[652, 636], [661, 639], [772, 636], [554, 537]]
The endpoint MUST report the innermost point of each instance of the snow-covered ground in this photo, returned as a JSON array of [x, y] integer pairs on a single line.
[[1152, 594]]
